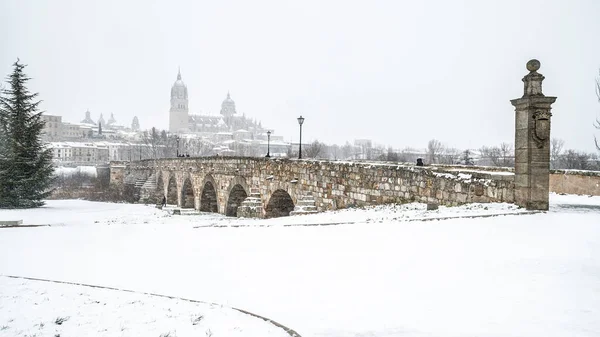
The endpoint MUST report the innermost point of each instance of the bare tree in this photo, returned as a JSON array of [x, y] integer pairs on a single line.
[[583, 160], [314, 149], [333, 151], [574, 160], [490, 156], [434, 149], [376, 151], [449, 156], [200, 147], [409, 154], [597, 123], [157, 144], [594, 162], [391, 155], [556, 146], [152, 141], [348, 151], [292, 152], [169, 148], [507, 152]]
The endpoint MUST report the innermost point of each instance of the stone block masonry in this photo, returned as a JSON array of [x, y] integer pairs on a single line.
[[532, 142], [273, 187], [575, 182]]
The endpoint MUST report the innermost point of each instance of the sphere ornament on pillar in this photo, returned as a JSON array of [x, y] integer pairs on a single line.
[[533, 65], [533, 80]]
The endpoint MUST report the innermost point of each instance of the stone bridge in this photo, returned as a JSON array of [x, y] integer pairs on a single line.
[[261, 187]]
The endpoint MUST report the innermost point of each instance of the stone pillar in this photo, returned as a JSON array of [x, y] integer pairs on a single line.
[[532, 142]]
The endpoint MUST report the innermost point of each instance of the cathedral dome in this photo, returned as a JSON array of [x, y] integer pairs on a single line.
[[179, 82], [228, 106], [228, 100], [179, 89]]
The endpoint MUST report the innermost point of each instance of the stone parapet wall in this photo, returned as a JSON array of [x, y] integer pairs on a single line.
[[457, 167], [575, 182], [336, 184], [118, 171]]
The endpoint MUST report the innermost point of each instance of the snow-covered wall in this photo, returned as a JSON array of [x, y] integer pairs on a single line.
[[70, 171]]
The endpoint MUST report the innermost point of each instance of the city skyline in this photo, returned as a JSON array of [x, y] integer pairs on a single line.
[[383, 72]]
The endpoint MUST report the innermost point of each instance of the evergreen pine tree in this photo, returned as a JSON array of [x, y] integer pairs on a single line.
[[25, 163], [467, 159]]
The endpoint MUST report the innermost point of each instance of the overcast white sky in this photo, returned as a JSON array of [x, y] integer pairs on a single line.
[[397, 72]]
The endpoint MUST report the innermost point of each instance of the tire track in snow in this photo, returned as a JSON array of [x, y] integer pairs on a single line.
[[289, 331]]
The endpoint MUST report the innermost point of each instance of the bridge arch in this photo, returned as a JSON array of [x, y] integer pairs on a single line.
[[280, 204], [187, 194], [172, 190], [208, 195], [237, 192]]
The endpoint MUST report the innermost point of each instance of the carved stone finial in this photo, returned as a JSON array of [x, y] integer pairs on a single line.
[[533, 80], [533, 65]]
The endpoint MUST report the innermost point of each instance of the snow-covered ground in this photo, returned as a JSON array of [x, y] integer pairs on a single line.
[[381, 272], [81, 212], [34, 308]]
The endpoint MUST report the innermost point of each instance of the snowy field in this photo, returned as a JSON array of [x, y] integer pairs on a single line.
[[34, 308], [379, 272]]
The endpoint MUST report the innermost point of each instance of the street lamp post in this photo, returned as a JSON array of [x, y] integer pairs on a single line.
[[300, 121], [140, 152], [177, 140], [268, 144]]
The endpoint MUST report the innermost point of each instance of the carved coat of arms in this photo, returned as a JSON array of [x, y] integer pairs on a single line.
[[541, 130]]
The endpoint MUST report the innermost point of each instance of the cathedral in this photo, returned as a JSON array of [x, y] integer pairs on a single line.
[[181, 121], [178, 114]]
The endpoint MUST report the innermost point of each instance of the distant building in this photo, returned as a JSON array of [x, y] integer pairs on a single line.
[[53, 129], [101, 120], [111, 121], [73, 131], [135, 124], [88, 118], [181, 121], [79, 153], [178, 114]]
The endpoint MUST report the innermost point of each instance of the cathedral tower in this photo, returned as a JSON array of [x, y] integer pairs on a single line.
[[178, 114], [228, 110]]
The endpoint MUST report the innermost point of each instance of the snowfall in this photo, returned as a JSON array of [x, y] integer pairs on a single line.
[[474, 270]]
